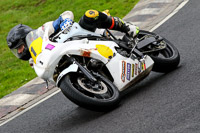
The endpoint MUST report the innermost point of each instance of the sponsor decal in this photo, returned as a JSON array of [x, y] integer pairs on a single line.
[[133, 68], [136, 69], [128, 76], [143, 65], [123, 75], [49, 47], [139, 67]]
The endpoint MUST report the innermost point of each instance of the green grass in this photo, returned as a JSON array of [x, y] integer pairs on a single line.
[[14, 72]]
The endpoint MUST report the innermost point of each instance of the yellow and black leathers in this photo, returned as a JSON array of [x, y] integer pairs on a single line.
[[95, 19]]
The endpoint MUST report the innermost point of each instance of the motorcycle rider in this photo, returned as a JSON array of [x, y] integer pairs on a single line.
[[92, 19]]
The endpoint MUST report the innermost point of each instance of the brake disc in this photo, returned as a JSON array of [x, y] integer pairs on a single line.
[[92, 88]]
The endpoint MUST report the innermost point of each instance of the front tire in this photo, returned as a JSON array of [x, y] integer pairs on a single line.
[[99, 96]]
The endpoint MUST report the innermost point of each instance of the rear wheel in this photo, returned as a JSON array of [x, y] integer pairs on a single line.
[[98, 96], [165, 55]]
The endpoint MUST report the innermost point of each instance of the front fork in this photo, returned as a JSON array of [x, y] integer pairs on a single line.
[[86, 72], [74, 68]]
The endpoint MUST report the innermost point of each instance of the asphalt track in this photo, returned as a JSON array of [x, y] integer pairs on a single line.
[[162, 103]]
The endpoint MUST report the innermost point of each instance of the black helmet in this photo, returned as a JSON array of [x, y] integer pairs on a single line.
[[16, 38]]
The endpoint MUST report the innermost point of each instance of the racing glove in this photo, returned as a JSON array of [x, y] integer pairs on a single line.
[[133, 30], [62, 17]]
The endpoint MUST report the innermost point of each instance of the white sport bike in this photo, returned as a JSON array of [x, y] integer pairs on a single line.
[[92, 69]]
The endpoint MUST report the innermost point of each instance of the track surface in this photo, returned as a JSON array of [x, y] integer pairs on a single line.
[[162, 103]]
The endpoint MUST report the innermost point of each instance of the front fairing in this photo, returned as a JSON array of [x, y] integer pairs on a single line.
[[49, 53], [53, 52]]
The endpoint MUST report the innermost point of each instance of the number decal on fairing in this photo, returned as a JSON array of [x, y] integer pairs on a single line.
[[36, 48], [33, 51]]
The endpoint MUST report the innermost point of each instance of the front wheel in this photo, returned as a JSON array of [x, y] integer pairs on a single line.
[[166, 56], [97, 96]]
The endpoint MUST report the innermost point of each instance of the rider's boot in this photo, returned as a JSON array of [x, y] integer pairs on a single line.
[[125, 27]]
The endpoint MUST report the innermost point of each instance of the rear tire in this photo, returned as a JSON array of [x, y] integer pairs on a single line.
[[99, 96], [164, 60]]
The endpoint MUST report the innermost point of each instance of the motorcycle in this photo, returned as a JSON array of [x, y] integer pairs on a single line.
[[93, 69]]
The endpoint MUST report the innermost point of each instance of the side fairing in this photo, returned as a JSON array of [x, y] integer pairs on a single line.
[[128, 70]]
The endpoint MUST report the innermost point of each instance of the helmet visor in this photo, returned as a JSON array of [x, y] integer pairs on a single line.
[[18, 43], [19, 49]]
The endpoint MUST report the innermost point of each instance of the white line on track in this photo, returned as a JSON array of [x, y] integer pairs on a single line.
[[30, 107], [54, 93], [170, 15]]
